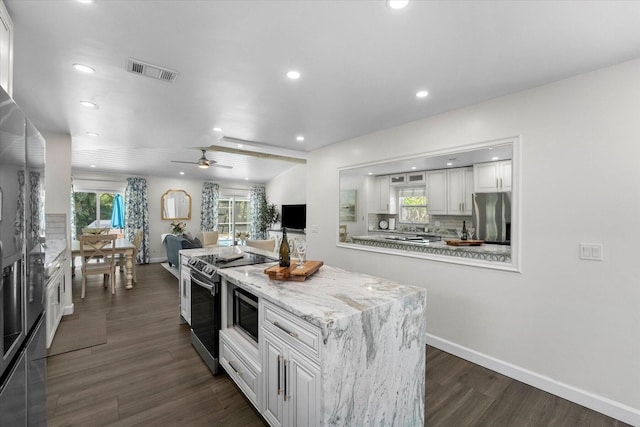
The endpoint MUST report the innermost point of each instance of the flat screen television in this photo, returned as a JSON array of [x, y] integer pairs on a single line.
[[294, 216]]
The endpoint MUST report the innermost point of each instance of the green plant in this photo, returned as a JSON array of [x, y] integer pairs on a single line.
[[268, 216]]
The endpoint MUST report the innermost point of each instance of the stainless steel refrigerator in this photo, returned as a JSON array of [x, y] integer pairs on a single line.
[[491, 217], [22, 282]]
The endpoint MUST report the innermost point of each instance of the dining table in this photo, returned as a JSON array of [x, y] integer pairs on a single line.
[[123, 247]]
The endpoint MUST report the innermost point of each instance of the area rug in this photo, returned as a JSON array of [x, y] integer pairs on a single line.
[[78, 331]]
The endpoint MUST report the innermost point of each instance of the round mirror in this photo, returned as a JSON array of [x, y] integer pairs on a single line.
[[176, 204]]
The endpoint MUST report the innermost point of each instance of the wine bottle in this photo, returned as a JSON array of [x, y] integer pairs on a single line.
[[465, 233], [284, 257]]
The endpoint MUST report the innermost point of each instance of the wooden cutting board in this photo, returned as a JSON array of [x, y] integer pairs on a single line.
[[464, 242], [292, 272]]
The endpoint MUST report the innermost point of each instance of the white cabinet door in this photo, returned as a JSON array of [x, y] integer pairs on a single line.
[[492, 177], [272, 379], [460, 189], [382, 184], [185, 290], [6, 50], [53, 305], [302, 387], [437, 192], [291, 385]]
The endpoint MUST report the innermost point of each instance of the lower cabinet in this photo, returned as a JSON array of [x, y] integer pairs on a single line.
[[185, 289], [57, 288], [241, 364], [291, 387]]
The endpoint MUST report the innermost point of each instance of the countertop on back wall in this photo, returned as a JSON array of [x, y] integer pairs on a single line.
[[485, 252]]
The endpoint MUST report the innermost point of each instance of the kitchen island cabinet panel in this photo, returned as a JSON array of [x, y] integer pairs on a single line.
[[370, 368]]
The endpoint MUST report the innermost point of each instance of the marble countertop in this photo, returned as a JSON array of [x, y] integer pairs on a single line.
[[53, 248], [499, 253], [326, 297]]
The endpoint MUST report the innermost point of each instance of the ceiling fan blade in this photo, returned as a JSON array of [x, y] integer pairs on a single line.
[[180, 161], [218, 165], [256, 154]]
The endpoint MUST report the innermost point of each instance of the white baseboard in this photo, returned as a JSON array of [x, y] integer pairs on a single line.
[[585, 398], [68, 309], [154, 260]]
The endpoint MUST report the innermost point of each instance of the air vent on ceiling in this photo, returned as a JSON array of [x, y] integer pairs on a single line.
[[154, 71]]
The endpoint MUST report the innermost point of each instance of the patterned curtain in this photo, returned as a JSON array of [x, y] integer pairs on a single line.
[[73, 213], [209, 210], [257, 195], [19, 224], [136, 209], [35, 205]]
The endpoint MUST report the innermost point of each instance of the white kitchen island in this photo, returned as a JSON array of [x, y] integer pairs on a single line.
[[339, 349]]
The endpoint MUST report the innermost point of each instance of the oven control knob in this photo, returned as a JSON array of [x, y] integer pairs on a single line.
[[192, 261], [208, 269]]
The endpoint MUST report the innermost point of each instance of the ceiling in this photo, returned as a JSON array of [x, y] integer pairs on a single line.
[[361, 65]]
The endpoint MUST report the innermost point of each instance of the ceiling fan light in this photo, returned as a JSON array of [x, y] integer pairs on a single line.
[[202, 165]]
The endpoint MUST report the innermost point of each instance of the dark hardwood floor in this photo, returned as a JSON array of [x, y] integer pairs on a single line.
[[148, 374]]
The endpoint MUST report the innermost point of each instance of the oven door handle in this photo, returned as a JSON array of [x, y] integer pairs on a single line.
[[202, 284]]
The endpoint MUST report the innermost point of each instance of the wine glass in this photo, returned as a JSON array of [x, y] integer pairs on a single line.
[[459, 232], [470, 231], [301, 250]]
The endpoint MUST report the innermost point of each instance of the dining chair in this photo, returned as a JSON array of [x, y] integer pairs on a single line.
[[93, 231], [98, 257], [209, 238]]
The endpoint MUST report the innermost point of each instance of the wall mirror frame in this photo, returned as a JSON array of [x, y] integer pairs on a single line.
[[176, 204], [361, 177]]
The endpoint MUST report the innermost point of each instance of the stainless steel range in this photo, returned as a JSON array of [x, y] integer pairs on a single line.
[[206, 301]]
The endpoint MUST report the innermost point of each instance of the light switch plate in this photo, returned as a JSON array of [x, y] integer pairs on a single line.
[[591, 251]]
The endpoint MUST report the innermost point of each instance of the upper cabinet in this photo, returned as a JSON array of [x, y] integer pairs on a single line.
[[449, 191], [6, 50], [378, 195], [492, 177], [437, 192], [410, 178], [460, 188]]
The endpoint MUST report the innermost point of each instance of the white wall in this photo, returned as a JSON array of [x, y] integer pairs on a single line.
[[57, 174], [563, 324], [288, 188]]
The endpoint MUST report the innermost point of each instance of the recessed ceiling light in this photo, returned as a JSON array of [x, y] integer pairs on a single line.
[[422, 94], [92, 134], [495, 158], [397, 4], [413, 168], [370, 173], [240, 145], [85, 1], [246, 179], [181, 173], [300, 138], [84, 68], [449, 164], [93, 166], [89, 104], [293, 74], [217, 129]]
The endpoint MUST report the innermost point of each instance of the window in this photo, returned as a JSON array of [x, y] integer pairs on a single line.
[[233, 220], [93, 209], [413, 205]]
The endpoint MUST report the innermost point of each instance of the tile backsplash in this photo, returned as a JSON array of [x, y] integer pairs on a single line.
[[446, 224]]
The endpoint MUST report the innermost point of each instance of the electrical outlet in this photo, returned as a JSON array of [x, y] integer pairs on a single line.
[[591, 251]]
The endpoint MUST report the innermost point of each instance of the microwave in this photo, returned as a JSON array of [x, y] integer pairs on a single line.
[[245, 313]]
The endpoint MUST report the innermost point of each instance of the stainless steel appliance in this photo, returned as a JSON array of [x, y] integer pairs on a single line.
[[206, 299], [491, 217], [245, 313], [22, 282]]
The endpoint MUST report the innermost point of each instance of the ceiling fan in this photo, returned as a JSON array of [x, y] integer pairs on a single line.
[[203, 162]]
